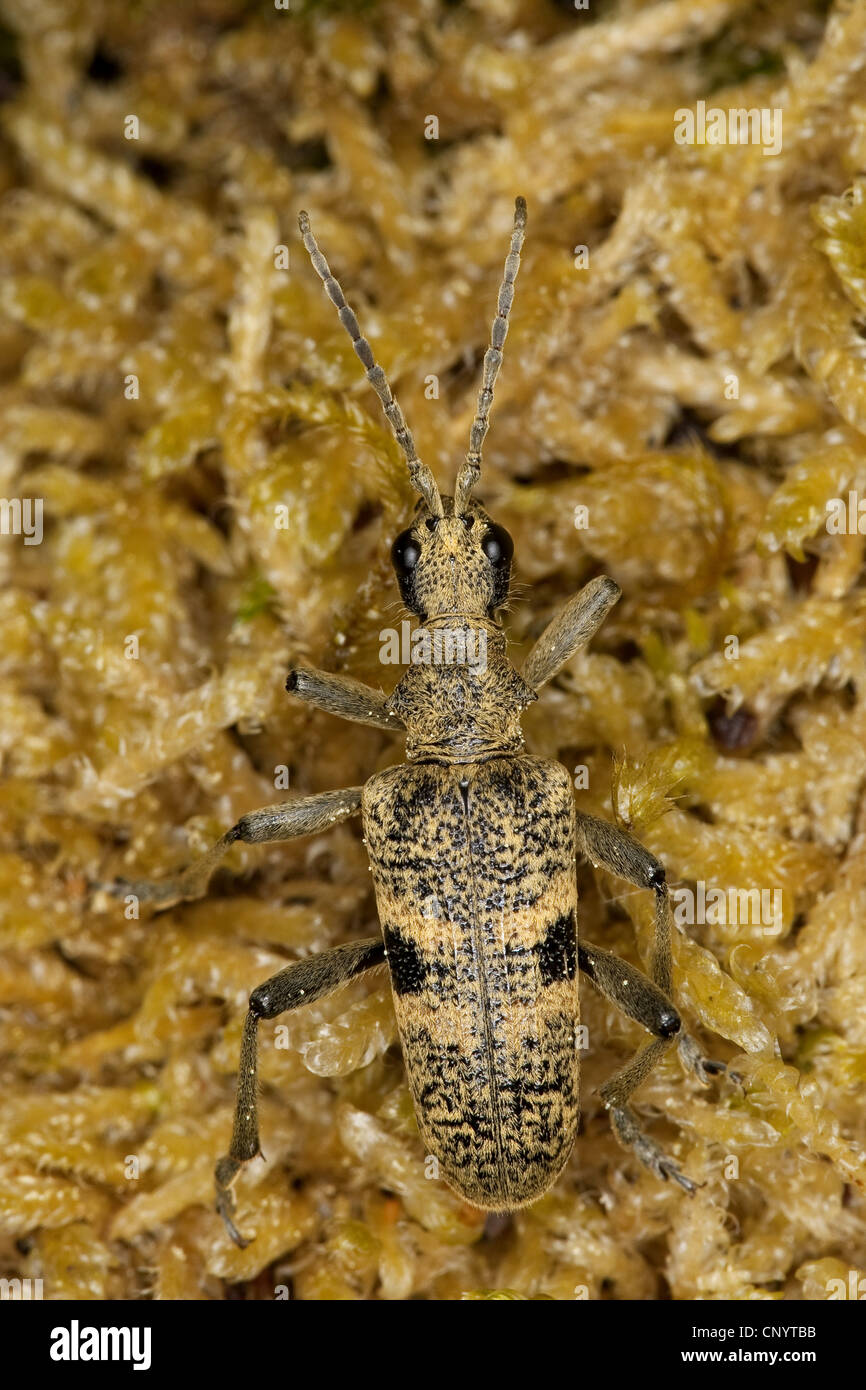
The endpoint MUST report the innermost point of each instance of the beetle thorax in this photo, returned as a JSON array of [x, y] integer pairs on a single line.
[[461, 699]]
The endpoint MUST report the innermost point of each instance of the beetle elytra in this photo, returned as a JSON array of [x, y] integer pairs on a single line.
[[473, 846]]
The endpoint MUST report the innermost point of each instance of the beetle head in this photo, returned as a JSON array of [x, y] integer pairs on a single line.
[[453, 564]]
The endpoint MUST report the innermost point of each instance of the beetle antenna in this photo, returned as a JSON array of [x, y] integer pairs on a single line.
[[422, 479], [470, 471]]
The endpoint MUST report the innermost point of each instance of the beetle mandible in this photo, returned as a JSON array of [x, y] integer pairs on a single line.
[[473, 846]]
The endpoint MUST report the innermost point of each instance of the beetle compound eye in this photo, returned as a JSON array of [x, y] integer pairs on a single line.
[[405, 553], [498, 545]]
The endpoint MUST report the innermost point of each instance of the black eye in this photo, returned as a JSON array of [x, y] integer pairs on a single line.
[[497, 545], [404, 553]]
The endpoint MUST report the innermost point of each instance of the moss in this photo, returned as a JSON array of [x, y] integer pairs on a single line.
[[259, 597]]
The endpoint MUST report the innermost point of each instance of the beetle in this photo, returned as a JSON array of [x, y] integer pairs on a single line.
[[473, 846]]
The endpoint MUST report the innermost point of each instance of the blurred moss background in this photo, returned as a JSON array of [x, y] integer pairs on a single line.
[[683, 393]]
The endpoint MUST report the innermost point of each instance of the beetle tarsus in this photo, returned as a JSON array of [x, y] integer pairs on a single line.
[[702, 1068], [668, 1169], [226, 1174], [225, 1205], [631, 1136]]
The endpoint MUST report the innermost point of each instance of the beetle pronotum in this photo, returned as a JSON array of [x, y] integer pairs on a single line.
[[473, 845]]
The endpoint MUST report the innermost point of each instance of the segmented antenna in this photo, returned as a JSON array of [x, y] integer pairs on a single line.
[[420, 475], [470, 471]]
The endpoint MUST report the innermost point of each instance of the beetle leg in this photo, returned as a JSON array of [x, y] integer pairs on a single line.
[[630, 989], [631, 1136], [627, 987], [704, 1068], [343, 696], [570, 630], [305, 816], [610, 848], [620, 853], [300, 983]]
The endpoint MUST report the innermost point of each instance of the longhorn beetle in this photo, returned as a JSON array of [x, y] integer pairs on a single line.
[[473, 845]]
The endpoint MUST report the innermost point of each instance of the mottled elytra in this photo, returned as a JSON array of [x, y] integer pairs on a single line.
[[473, 846]]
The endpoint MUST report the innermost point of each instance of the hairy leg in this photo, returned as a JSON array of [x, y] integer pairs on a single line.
[[646, 1000], [300, 983], [570, 630], [305, 816], [343, 696], [642, 1000], [620, 853]]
